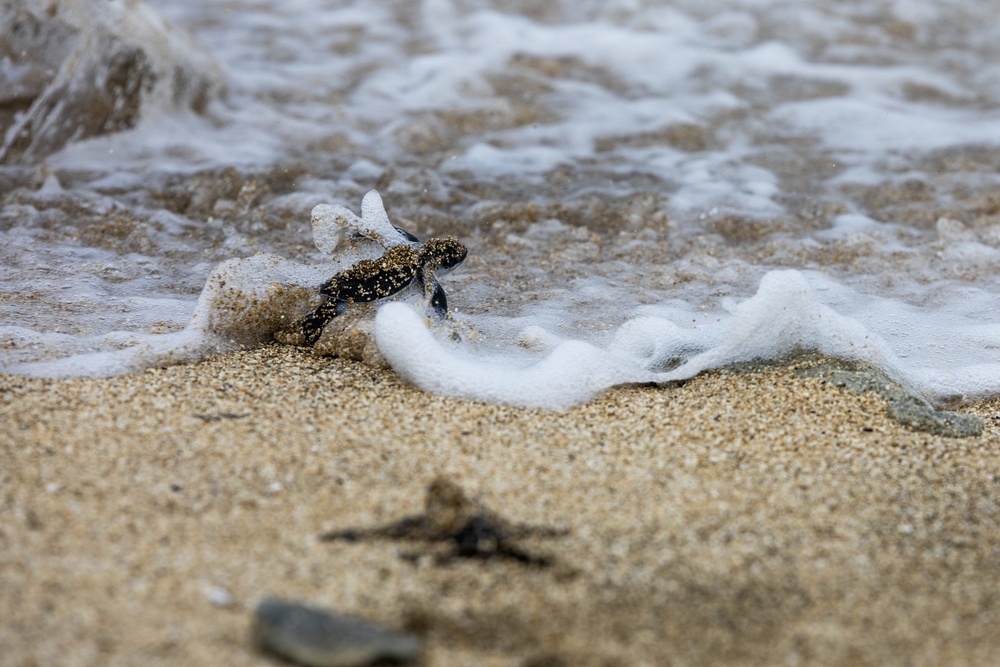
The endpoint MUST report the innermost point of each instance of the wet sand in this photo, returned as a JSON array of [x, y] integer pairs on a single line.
[[739, 519]]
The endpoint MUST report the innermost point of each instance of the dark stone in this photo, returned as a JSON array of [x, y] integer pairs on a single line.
[[318, 637], [902, 405]]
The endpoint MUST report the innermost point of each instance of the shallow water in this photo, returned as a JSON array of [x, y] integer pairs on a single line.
[[603, 161]]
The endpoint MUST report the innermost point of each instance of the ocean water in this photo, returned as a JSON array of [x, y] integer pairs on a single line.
[[647, 189]]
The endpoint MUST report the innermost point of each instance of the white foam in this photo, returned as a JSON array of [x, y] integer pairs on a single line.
[[571, 373], [331, 224], [244, 302], [781, 318]]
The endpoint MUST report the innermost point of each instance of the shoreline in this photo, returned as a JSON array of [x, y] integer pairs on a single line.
[[740, 518]]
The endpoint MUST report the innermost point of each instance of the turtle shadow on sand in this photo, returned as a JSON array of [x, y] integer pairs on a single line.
[[465, 527]]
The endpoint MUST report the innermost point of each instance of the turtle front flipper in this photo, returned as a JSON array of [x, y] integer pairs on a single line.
[[438, 300], [438, 256], [434, 294], [410, 238]]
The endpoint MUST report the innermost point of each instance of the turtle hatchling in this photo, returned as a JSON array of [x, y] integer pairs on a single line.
[[406, 261]]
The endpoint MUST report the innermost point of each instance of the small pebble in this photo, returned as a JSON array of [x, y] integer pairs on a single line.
[[218, 596], [318, 637]]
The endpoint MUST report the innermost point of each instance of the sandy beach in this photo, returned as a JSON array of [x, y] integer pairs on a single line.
[[757, 518]]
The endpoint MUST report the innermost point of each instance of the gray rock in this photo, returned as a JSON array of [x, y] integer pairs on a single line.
[[902, 406], [318, 637], [72, 69]]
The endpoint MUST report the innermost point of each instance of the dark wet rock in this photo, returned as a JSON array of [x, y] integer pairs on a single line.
[[469, 529], [319, 637], [72, 69]]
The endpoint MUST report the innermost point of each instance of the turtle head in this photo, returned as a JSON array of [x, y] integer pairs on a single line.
[[444, 254]]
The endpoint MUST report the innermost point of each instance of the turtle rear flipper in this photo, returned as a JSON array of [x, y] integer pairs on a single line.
[[312, 326]]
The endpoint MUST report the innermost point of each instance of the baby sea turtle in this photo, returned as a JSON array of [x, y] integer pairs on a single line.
[[371, 279]]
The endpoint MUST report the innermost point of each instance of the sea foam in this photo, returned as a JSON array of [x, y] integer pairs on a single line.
[[783, 317]]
